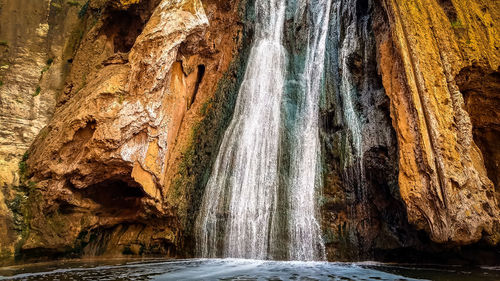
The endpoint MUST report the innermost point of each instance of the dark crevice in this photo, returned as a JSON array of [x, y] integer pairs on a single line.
[[449, 9], [84, 134], [123, 27], [199, 78], [362, 8]]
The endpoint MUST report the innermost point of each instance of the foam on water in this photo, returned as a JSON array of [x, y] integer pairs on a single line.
[[214, 269], [240, 269]]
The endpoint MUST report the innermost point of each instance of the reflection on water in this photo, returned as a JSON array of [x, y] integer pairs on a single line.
[[237, 269]]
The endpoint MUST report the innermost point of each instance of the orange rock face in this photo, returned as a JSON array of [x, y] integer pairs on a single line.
[[125, 116], [423, 45]]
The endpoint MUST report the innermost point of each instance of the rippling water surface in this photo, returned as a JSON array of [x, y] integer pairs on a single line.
[[234, 269]]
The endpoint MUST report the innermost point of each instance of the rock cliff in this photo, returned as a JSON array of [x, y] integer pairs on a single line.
[[430, 58], [134, 96], [425, 159], [140, 76], [33, 40]]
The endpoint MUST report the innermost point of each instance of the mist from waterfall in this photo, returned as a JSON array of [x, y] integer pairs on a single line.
[[246, 197]]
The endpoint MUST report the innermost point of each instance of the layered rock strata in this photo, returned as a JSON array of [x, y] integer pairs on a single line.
[[424, 48], [36, 39]]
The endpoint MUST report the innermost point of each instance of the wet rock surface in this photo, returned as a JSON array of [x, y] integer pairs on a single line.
[[362, 210]]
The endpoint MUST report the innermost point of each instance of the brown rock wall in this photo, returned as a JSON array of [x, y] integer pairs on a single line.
[[33, 40], [101, 170], [442, 178]]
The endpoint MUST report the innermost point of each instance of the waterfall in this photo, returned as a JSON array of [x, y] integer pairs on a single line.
[[240, 195], [348, 47], [241, 206], [305, 148]]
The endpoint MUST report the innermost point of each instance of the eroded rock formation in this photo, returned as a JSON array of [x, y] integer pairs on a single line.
[[137, 81], [423, 46], [35, 40]]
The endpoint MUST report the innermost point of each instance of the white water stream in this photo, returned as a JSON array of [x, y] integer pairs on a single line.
[[240, 204]]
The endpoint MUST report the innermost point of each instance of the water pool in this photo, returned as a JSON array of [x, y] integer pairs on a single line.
[[237, 269]]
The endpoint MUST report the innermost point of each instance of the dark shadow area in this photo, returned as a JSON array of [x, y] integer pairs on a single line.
[[362, 8], [84, 134], [123, 27], [481, 91], [199, 78], [449, 9], [116, 197]]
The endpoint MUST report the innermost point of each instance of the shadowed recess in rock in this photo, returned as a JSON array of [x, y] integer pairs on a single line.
[[115, 197], [481, 91]]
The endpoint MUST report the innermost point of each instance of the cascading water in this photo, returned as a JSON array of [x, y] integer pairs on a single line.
[[359, 143], [240, 195], [305, 149], [241, 207], [348, 46]]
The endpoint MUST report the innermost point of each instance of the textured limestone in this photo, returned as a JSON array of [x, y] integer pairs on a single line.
[[33, 37], [442, 177], [105, 146], [151, 62]]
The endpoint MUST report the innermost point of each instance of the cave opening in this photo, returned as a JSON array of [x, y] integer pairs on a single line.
[[123, 27], [115, 196], [481, 92]]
